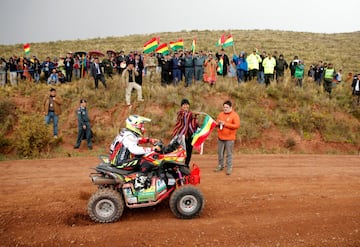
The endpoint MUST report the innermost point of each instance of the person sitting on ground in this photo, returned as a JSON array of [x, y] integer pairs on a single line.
[[53, 78]]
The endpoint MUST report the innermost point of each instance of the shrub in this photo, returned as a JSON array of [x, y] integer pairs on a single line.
[[7, 116], [32, 137]]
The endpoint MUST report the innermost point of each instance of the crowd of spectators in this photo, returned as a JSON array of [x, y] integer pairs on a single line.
[[172, 68]]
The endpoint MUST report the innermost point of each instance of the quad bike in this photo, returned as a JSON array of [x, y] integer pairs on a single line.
[[125, 185]]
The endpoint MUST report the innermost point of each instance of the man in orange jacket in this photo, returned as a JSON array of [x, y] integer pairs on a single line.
[[228, 122]]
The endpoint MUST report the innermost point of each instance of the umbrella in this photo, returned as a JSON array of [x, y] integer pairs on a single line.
[[110, 52], [96, 53], [80, 53]]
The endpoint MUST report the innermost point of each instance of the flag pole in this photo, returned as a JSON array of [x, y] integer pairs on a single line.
[[233, 43]]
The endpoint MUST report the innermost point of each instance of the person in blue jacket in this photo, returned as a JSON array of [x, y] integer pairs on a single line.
[[241, 66]]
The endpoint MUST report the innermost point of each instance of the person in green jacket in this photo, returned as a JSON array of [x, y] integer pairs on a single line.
[[329, 74], [299, 73]]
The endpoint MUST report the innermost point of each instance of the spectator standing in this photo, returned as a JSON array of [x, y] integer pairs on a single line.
[[84, 128], [52, 109], [356, 87], [176, 66], [150, 66], [199, 60], [299, 73], [2, 72], [338, 76], [281, 66], [69, 66], [97, 73], [77, 67], [292, 66], [108, 69], [318, 73], [121, 62], [269, 64], [241, 66], [253, 61], [13, 71], [47, 66], [226, 62], [186, 124], [139, 66], [228, 122], [210, 72], [189, 68], [261, 73], [166, 62], [129, 76], [329, 74], [36, 69]]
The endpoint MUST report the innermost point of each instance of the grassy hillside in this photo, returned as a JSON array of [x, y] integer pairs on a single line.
[[278, 119]]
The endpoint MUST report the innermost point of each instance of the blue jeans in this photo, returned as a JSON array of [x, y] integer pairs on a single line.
[[261, 77], [55, 118]]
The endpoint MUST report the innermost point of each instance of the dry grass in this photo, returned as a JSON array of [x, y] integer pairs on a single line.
[[308, 110]]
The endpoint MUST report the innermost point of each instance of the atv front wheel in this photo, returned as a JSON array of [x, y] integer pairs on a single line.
[[187, 202], [105, 206]]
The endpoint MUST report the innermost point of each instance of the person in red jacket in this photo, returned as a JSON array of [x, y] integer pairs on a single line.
[[228, 122]]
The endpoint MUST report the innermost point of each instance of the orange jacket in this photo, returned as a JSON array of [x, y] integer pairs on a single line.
[[231, 124]]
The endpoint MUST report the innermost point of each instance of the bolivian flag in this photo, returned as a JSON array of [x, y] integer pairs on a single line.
[[151, 45], [163, 49], [27, 48], [228, 42], [179, 44], [220, 66], [201, 134], [221, 40], [193, 45]]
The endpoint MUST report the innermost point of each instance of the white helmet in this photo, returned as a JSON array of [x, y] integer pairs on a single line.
[[135, 123]]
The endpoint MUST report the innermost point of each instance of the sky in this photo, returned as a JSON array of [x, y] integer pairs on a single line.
[[34, 21]]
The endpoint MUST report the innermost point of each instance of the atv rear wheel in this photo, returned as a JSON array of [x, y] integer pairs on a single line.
[[105, 206], [187, 202]]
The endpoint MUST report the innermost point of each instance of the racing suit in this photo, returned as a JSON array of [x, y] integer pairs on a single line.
[[125, 153]]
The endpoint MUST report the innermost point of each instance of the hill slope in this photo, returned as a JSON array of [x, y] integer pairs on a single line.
[[277, 119]]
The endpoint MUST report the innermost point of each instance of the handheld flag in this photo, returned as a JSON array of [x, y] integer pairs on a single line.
[[193, 45], [151, 45], [179, 44], [201, 134], [221, 40], [228, 42], [220, 66], [163, 49], [27, 48]]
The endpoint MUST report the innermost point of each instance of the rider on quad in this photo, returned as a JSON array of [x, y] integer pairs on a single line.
[[125, 151]]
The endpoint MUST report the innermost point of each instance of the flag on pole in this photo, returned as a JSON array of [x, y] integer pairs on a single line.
[[221, 40], [27, 48], [179, 44], [201, 134], [163, 49], [151, 45], [229, 41], [193, 45]]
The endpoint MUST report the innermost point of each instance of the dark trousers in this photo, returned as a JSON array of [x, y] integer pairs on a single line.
[[84, 134], [68, 72], [189, 149], [100, 77]]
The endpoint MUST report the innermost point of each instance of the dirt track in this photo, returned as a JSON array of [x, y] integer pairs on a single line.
[[269, 200]]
